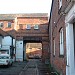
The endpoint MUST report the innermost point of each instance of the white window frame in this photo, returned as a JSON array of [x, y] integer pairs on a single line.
[[28, 26], [9, 26], [54, 47], [61, 42], [1, 24], [36, 26], [60, 4]]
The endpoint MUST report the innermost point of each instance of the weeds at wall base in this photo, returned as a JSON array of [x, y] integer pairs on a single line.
[[53, 71]]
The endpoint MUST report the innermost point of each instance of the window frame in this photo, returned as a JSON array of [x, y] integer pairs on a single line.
[[9, 25], [61, 53], [20, 26], [1, 24], [60, 4], [54, 47], [28, 26], [36, 26]]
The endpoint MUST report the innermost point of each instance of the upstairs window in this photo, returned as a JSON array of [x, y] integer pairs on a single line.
[[9, 25], [21, 26], [36, 26], [1, 24], [28, 26], [61, 42], [60, 4]]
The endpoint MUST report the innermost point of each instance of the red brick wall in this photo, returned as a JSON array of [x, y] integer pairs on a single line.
[[5, 23], [56, 22], [22, 32], [41, 32], [22, 22]]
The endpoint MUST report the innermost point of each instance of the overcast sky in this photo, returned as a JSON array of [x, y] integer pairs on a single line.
[[25, 6]]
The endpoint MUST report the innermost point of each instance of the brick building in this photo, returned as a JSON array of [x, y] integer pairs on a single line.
[[61, 36], [27, 28]]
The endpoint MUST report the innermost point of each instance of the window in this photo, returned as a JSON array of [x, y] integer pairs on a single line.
[[60, 4], [4, 57], [28, 26], [61, 42], [21, 26], [1, 24], [36, 26], [54, 47], [9, 25]]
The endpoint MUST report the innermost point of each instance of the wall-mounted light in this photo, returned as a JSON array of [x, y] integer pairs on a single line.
[[54, 22]]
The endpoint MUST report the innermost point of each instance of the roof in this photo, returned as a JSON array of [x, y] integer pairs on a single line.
[[3, 33], [12, 33], [13, 16]]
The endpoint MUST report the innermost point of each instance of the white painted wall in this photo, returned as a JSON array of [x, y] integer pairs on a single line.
[[19, 50], [6, 42]]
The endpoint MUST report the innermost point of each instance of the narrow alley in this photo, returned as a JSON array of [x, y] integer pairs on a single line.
[[35, 67]]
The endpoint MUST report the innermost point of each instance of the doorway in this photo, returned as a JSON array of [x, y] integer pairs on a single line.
[[32, 48], [70, 46]]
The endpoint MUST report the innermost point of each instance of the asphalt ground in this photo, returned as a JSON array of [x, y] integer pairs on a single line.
[[32, 67], [15, 69]]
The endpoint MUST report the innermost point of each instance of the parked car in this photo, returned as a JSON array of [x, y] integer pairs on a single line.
[[31, 56], [5, 59], [37, 57]]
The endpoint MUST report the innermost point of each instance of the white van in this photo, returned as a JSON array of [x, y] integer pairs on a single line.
[[5, 59]]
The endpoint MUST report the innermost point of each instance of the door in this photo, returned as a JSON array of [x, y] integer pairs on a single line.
[[19, 50]]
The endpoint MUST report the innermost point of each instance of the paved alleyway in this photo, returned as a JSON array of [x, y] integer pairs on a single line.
[[35, 67], [15, 69]]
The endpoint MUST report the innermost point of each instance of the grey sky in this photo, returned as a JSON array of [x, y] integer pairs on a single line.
[[25, 6]]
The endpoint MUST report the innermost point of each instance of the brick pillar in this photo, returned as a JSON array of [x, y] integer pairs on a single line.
[[45, 52]]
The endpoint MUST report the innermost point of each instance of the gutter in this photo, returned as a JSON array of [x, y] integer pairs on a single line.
[[50, 14]]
